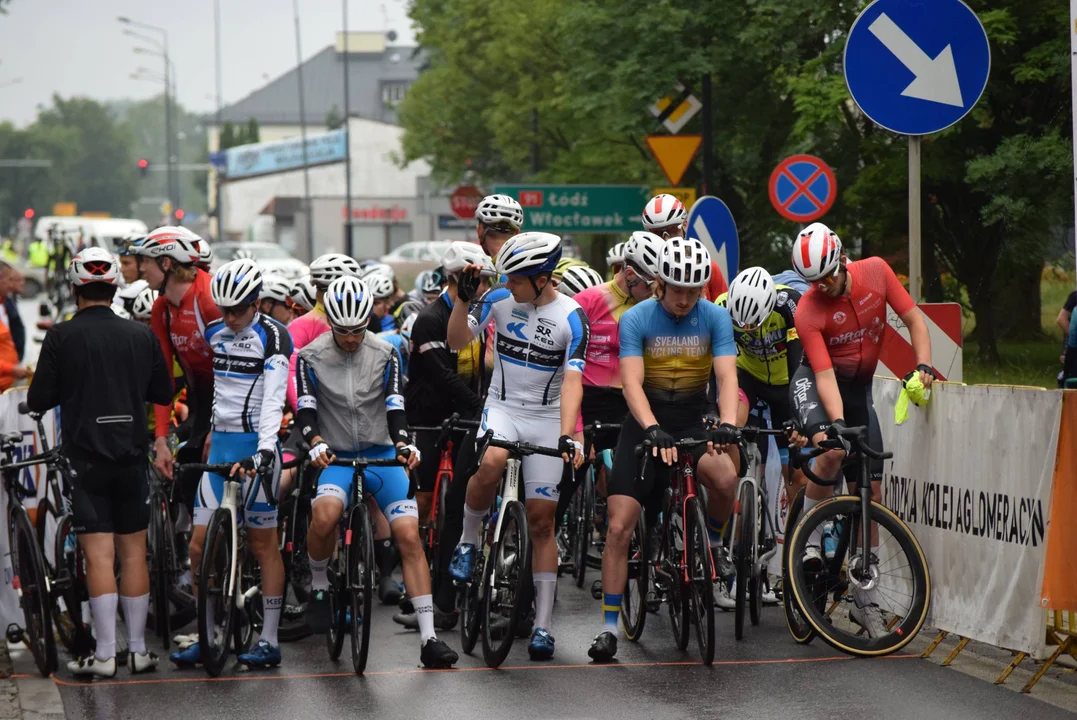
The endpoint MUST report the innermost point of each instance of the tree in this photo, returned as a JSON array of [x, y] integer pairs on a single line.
[[228, 136], [334, 120], [253, 134]]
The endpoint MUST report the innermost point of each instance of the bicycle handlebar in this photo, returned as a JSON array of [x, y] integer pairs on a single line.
[[451, 424], [224, 470], [359, 463], [12, 478], [853, 440], [515, 448]]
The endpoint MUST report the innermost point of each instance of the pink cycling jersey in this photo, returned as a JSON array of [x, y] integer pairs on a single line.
[[604, 305], [304, 330]]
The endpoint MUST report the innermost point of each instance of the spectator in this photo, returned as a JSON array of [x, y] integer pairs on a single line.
[[1063, 319], [1069, 359], [39, 253], [11, 307], [10, 369]]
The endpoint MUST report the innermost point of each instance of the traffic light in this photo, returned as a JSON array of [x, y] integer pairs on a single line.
[[29, 214], [179, 214], [143, 167]]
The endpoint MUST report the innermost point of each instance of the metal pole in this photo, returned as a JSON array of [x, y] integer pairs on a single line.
[[348, 245], [303, 135], [914, 217], [220, 123], [168, 134], [708, 138], [175, 144], [1073, 81]]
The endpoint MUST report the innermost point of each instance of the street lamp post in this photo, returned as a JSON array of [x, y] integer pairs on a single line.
[[348, 242], [303, 134], [169, 81]]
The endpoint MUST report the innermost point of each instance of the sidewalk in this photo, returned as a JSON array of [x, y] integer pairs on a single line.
[[24, 694]]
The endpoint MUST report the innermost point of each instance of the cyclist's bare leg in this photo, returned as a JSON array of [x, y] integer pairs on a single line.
[[322, 533], [540, 524], [718, 473], [266, 549], [412, 559], [623, 515], [198, 540], [481, 490], [287, 481], [425, 502]]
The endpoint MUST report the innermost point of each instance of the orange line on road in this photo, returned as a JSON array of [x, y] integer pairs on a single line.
[[584, 666]]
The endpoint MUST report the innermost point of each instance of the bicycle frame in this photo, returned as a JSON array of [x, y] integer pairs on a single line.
[[683, 487]]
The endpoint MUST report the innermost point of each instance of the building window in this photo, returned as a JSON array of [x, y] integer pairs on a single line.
[[393, 92]]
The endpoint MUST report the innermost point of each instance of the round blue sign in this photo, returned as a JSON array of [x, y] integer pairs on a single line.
[[917, 67]]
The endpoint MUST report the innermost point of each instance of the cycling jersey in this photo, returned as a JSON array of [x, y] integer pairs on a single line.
[[771, 352], [604, 305], [250, 370], [355, 398], [402, 350], [678, 353], [846, 333], [436, 386], [534, 346], [181, 332], [304, 329]]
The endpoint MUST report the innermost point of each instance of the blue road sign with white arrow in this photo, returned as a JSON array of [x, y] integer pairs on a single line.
[[711, 223], [917, 67]]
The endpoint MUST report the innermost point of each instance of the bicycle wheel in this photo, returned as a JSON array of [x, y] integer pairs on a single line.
[[895, 578], [296, 561], [216, 605], [759, 572], [799, 627], [634, 599], [585, 526], [360, 544], [339, 598], [701, 576], [29, 567], [67, 610], [160, 562], [508, 562], [745, 545], [471, 603], [249, 620], [670, 560], [434, 540]]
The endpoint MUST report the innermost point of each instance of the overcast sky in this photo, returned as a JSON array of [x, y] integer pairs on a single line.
[[77, 47]]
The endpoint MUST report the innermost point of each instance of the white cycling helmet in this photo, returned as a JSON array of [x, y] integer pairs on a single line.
[[379, 284], [237, 282], [662, 211], [643, 252], [274, 287], [121, 311], [816, 252], [205, 252], [752, 297], [348, 303], [616, 254], [177, 243], [529, 253], [409, 324], [243, 254], [498, 209], [577, 279], [130, 292], [93, 265], [428, 282], [461, 253], [377, 267], [142, 306], [685, 263], [303, 293], [327, 268]]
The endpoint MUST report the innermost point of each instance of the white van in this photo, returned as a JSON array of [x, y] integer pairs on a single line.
[[102, 232]]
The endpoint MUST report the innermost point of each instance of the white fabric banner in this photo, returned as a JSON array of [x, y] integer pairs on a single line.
[[11, 421], [972, 475]]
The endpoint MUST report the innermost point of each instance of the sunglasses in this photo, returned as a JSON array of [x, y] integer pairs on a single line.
[[355, 332]]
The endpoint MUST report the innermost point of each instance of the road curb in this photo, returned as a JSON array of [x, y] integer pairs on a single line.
[[32, 697]]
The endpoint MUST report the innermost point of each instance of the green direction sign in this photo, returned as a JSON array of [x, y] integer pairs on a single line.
[[580, 208]]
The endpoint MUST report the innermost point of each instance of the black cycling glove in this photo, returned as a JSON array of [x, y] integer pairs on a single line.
[[468, 286], [568, 446], [261, 461], [659, 438], [726, 434]]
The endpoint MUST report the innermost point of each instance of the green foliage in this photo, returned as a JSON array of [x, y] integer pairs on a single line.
[[231, 136], [334, 119]]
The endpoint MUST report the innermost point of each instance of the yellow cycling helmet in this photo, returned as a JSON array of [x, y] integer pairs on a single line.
[[564, 264]]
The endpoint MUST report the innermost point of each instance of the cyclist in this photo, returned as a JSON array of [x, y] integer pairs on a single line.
[[181, 313], [669, 346], [125, 296], [578, 278], [667, 217], [250, 364], [205, 255], [382, 288], [615, 259], [439, 386], [841, 322], [273, 301], [540, 346], [128, 260], [303, 296], [102, 371], [350, 403], [499, 218]]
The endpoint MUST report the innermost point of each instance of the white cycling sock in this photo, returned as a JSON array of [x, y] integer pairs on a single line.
[[472, 525], [103, 610], [816, 537], [319, 578], [135, 610], [545, 587], [271, 607], [424, 612]]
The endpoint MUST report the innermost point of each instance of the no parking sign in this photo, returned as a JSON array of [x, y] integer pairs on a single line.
[[803, 188]]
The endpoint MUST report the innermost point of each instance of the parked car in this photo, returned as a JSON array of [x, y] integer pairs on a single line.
[[417, 252], [273, 259]]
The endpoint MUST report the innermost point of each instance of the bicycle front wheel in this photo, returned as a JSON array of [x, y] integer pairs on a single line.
[[585, 528], [879, 604], [360, 544], [700, 577], [745, 553], [634, 599], [216, 602], [799, 627], [29, 566], [161, 561], [501, 598], [339, 597]]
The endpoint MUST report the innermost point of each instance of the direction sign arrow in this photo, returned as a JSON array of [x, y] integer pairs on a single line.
[[936, 80]]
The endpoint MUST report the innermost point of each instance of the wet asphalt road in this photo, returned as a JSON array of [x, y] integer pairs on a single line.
[[766, 675]]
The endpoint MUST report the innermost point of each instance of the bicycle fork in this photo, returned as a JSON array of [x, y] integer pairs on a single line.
[[510, 489]]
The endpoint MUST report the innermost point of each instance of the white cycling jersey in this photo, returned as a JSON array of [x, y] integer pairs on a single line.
[[534, 347], [250, 377]]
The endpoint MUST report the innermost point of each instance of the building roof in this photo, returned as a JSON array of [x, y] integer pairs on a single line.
[[323, 88]]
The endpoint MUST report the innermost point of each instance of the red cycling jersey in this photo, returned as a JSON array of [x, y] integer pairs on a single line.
[[846, 333], [181, 332]]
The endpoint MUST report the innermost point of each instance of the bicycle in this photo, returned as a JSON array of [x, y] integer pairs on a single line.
[[431, 531], [170, 606], [29, 577], [847, 568], [490, 603], [294, 521], [577, 533], [684, 572], [351, 572], [229, 579]]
